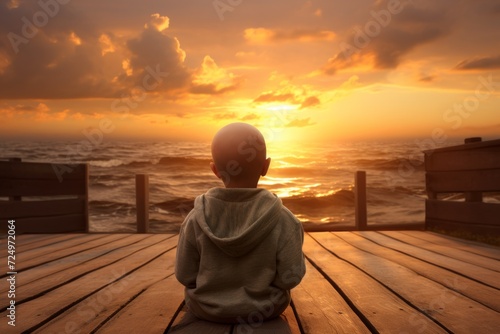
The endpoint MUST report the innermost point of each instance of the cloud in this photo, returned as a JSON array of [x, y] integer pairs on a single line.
[[276, 97], [263, 35], [70, 58], [288, 94], [156, 59], [224, 116], [299, 123], [480, 63], [210, 79], [385, 39], [38, 112]]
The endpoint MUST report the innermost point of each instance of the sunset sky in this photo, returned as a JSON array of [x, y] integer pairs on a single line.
[[299, 70]]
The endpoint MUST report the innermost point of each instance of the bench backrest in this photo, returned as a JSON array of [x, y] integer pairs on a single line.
[[57, 197], [472, 169]]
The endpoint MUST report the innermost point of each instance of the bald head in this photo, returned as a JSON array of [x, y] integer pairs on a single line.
[[239, 155]]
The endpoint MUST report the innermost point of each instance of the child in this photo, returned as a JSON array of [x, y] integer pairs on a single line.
[[240, 249]]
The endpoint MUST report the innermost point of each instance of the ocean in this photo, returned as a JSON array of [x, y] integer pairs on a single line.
[[315, 182]]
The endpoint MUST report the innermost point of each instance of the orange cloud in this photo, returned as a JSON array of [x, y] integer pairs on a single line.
[[480, 63], [290, 94], [299, 123], [211, 79], [263, 35]]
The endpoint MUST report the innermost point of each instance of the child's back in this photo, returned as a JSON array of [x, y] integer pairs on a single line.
[[240, 249]]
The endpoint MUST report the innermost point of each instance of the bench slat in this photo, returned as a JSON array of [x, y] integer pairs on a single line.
[[41, 170], [23, 209], [15, 187], [463, 212], [74, 223]]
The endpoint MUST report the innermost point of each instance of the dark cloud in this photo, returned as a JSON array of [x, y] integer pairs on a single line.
[[68, 58], [387, 38], [157, 61], [50, 56], [482, 63], [263, 35]]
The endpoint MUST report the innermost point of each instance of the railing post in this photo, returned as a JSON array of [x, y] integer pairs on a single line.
[[142, 202], [473, 196], [360, 200], [15, 198]]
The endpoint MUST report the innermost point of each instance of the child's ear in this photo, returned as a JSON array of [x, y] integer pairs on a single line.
[[265, 167], [214, 169]]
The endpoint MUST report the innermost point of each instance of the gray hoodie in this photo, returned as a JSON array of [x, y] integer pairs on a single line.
[[239, 254]]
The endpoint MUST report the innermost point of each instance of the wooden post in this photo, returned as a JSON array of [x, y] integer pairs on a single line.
[[473, 196], [15, 198], [142, 202], [360, 200]]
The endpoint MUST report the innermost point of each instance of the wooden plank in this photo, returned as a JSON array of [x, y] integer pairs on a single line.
[[25, 239], [107, 244], [466, 245], [379, 308], [458, 254], [41, 170], [464, 157], [19, 187], [56, 251], [49, 305], [23, 209], [72, 223], [479, 274], [452, 310], [477, 291], [35, 256], [321, 309], [49, 282], [41, 242], [21, 247], [95, 310], [290, 319], [462, 181], [156, 307], [463, 212]]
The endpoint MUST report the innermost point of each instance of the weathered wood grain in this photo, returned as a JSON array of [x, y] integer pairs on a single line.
[[93, 311], [456, 243], [321, 309], [458, 254], [381, 309], [453, 311], [156, 307], [477, 291]]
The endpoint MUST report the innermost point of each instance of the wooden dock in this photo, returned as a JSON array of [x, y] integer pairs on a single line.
[[356, 282]]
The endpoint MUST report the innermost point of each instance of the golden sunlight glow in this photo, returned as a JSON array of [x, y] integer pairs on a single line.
[[159, 22], [106, 44], [127, 68], [75, 39]]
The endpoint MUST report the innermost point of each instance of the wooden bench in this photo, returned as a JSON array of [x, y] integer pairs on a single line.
[[44, 197], [473, 169]]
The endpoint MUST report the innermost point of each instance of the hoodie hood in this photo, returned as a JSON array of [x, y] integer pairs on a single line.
[[237, 219]]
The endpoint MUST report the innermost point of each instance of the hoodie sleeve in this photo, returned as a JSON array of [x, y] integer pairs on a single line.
[[290, 266], [188, 257]]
